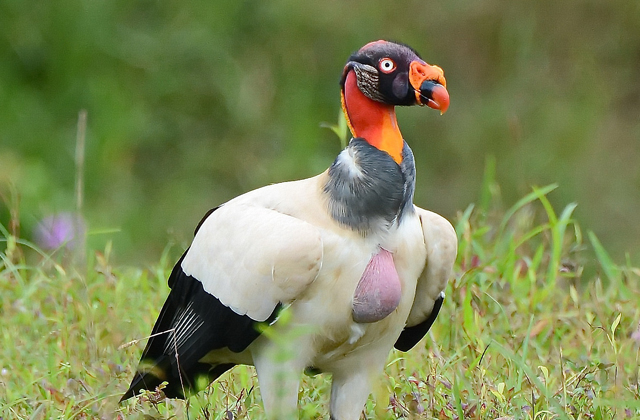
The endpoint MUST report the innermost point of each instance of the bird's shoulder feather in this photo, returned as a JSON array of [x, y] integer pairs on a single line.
[[252, 254]]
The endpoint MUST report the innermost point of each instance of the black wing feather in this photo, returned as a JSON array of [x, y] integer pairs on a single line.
[[192, 323], [411, 335]]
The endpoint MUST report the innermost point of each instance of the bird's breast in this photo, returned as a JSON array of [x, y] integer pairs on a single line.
[[328, 304]]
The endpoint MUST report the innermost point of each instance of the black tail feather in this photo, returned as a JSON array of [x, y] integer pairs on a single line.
[[175, 388]]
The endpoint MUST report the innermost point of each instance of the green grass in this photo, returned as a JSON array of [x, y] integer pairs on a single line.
[[538, 324]]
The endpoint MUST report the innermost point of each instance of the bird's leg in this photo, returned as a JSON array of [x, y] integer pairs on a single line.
[[349, 393], [279, 382]]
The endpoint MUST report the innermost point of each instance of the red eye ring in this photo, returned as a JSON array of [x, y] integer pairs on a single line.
[[387, 65]]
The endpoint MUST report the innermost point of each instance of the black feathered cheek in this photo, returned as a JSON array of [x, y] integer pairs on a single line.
[[400, 86]]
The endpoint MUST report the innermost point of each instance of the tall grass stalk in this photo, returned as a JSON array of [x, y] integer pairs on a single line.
[[81, 132]]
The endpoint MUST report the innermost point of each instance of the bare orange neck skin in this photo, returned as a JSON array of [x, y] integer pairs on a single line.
[[372, 120]]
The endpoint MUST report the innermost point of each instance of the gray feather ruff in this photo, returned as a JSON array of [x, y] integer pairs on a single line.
[[367, 190]]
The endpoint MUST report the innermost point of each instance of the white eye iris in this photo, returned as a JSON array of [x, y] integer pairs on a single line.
[[387, 65]]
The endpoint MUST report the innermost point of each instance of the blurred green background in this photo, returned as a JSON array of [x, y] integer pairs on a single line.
[[192, 102]]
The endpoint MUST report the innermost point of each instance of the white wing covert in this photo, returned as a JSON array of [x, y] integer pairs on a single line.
[[252, 258], [442, 247]]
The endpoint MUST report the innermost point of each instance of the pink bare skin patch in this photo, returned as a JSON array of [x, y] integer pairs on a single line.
[[378, 291]]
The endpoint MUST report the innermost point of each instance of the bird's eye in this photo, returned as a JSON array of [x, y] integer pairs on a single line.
[[387, 65]]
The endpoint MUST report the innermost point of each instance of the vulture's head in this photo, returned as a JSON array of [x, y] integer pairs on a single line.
[[394, 74]]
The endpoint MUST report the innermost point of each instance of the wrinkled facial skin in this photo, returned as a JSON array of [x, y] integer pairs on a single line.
[[382, 70]]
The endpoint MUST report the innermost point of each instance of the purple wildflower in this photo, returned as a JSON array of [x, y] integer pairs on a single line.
[[62, 230], [636, 335]]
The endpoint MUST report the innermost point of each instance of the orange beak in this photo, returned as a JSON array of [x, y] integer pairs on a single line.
[[429, 85]]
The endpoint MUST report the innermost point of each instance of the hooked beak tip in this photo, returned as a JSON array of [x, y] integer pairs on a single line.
[[434, 95]]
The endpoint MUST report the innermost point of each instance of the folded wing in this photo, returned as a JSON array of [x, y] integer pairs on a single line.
[[442, 243], [244, 263]]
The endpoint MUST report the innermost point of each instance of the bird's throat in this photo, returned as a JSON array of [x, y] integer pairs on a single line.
[[371, 120]]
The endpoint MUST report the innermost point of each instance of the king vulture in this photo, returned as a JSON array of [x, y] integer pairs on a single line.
[[358, 267]]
